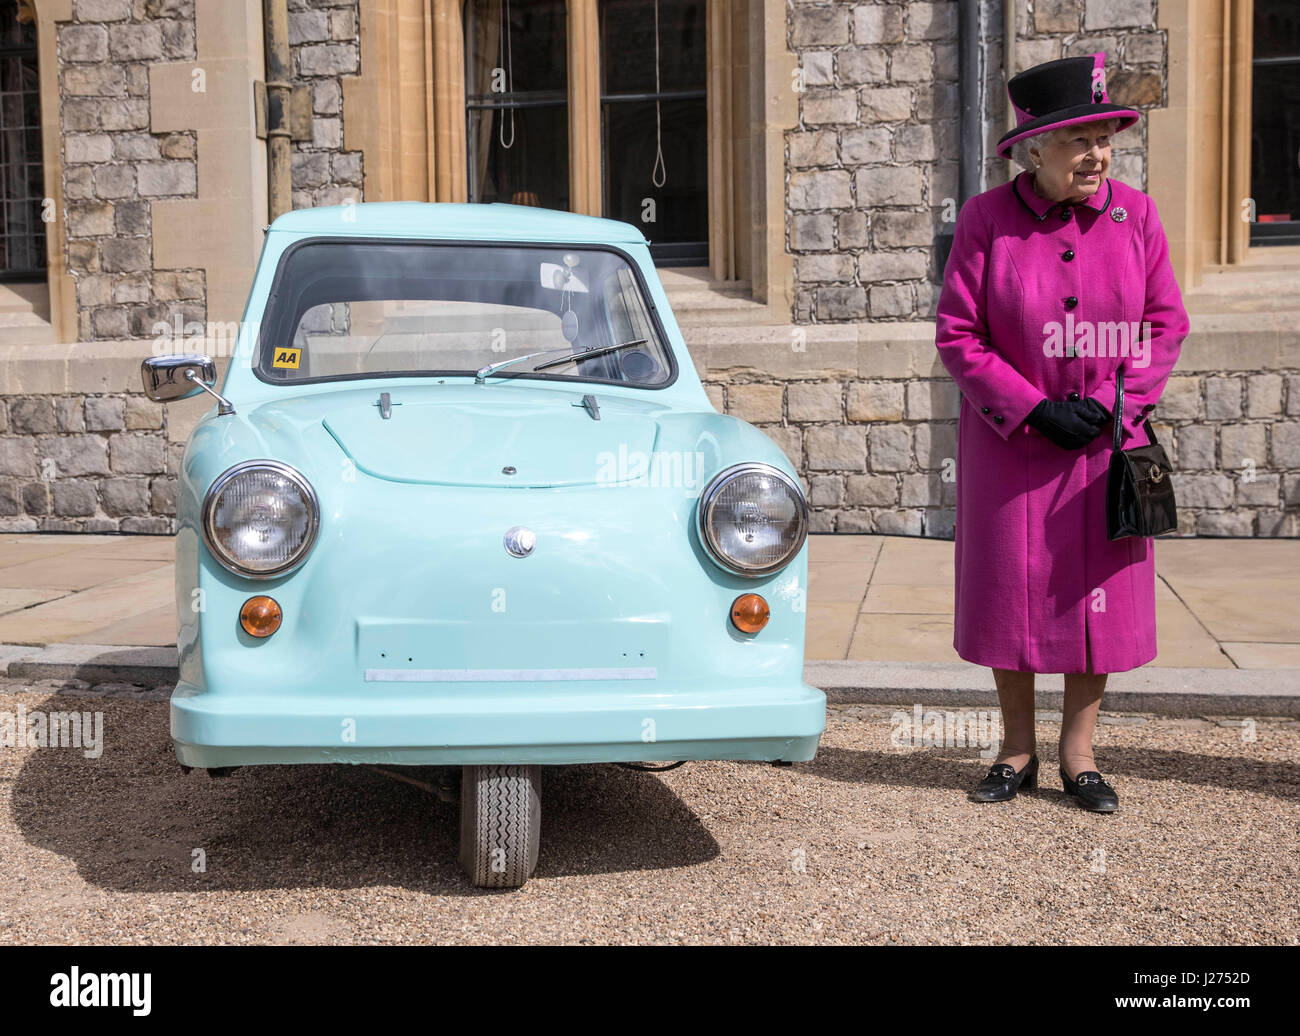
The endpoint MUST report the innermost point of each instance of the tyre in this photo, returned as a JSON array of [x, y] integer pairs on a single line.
[[500, 824]]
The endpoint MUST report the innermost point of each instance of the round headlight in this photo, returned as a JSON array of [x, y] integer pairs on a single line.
[[753, 519], [260, 518]]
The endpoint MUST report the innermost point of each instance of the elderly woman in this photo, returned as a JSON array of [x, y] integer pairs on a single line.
[[1049, 277]]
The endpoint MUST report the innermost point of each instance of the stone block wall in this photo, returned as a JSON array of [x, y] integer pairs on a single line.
[[114, 167], [872, 166], [86, 463], [324, 47], [879, 455]]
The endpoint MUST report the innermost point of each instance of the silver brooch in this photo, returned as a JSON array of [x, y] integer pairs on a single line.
[[1119, 214]]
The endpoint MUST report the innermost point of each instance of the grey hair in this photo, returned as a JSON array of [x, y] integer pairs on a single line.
[[1020, 149]]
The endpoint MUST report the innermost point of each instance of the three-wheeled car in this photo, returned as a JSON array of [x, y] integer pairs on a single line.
[[463, 501]]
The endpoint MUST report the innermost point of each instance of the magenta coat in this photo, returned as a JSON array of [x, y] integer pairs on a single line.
[[1037, 581]]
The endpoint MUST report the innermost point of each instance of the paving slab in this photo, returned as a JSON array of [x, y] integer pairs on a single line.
[[918, 637], [73, 570], [12, 600], [1263, 656], [144, 586], [910, 561], [155, 628], [830, 629]]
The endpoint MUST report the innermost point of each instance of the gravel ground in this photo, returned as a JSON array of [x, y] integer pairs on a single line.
[[868, 843]]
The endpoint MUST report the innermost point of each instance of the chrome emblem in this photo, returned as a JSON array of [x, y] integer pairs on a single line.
[[520, 541], [1119, 214]]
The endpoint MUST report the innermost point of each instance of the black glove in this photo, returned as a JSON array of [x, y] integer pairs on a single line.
[[1099, 412], [1071, 424]]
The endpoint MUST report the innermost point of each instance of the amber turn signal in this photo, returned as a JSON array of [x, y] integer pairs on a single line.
[[260, 616], [749, 613]]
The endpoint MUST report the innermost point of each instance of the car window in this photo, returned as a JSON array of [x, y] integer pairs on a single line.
[[343, 309]]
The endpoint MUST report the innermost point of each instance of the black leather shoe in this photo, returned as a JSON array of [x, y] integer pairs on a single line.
[[1002, 782], [1092, 792]]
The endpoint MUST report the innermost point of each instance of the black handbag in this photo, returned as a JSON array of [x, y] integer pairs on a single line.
[[1139, 483]]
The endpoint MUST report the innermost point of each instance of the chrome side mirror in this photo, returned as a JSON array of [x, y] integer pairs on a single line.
[[168, 378]]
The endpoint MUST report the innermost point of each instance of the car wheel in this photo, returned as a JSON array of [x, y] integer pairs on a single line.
[[500, 823]]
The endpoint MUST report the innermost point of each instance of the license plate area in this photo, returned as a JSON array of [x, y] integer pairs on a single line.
[[438, 649]]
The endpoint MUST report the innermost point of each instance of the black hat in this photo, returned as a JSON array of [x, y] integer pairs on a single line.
[[1061, 93]]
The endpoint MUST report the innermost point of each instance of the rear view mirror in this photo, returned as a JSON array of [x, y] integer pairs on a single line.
[[558, 278], [169, 378]]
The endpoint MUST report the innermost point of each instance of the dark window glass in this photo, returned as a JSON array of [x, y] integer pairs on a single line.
[[1275, 123], [653, 123], [22, 180], [517, 117]]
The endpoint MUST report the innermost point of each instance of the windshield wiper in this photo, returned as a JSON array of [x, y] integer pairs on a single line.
[[492, 368], [600, 350]]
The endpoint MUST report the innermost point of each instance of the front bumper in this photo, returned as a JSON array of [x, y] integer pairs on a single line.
[[498, 723]]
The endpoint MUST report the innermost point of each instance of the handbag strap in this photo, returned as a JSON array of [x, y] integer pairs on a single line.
[[1118, 436]]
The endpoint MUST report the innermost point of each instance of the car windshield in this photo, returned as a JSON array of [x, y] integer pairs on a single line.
[[343, 309]]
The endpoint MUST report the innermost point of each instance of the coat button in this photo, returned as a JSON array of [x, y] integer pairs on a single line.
[[1068, 255], [1065, 214], [1073, 397], [1148, 408], [998, 418], [1070, 302], [984, 410]]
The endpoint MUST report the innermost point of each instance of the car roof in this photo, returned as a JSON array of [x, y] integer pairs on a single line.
[[441, 220]]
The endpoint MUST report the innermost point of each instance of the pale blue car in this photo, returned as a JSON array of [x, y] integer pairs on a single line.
[[464, 502]]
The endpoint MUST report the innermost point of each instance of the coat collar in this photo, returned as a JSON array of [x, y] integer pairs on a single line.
[[1040, 207]]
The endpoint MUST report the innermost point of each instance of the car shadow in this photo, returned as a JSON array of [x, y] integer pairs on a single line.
[[960, 769], [131, 820]]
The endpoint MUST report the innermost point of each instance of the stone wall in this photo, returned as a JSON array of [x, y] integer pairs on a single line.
[[877, 448], [324, 47], [114, 167], [874, 436], [872, 167], [86, 463]]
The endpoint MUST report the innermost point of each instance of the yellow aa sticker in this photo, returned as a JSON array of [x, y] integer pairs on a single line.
[[289, 358]]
